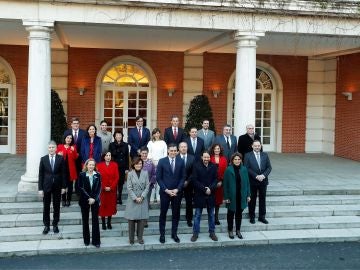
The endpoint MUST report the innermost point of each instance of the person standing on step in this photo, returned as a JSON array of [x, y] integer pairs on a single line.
[[109, 172], [139, 136], [170, 175], [105, 136], [52, 183], [217, 157], [259, 167], [227, 142], [245, 141], [195, 144], [206, 134], [91, 145], [90, 187], [137, 206], [236, 193], [174, 134], [205, 180], [68, 151]]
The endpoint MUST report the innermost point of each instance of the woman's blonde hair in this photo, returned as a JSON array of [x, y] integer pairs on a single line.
[[85, 169]]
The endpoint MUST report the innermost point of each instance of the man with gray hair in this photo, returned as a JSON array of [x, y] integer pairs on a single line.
[[246, 140], [227, 142], [52, 183]]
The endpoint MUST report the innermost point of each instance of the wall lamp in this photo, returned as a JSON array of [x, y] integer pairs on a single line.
[[81, 91], [216, 93], [348, 95], [171, 91]]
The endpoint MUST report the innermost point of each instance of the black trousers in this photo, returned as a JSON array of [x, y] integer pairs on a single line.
[[262, 201], [55, 194], [165, 201], [70, 187], [189, 195], [121, 183], [85, 209], [230, 219]]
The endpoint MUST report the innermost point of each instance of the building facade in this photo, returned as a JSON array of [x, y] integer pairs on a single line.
[[289, 67]]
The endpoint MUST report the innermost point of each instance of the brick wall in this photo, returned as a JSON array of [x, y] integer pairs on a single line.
[[293, 72], [17, 57], [347, 123], [85, 64]]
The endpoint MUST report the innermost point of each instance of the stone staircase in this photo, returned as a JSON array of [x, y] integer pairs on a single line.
[[295, 215]]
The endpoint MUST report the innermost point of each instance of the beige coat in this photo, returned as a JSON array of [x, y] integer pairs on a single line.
[[137, 186]]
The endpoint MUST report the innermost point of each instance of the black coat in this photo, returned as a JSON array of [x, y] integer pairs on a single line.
[[120, 154], [86, 192], [169, 136], [245, 143], [204, 177], [200, 147], [49, 179]]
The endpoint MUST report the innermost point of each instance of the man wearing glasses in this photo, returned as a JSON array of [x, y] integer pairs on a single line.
[[139, 136]]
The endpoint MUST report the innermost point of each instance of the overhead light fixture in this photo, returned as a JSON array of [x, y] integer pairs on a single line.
[[171, 91], [348, 95], [81, 91], [216, 93]]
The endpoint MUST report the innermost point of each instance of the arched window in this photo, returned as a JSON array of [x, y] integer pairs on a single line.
[[125, 92]]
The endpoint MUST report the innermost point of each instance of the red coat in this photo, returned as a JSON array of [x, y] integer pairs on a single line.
[[70, 155], [109, 178], [219, 193]]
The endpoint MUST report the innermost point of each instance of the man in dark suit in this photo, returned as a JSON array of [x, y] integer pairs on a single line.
[[246, 140], [195, 144], [139, 136], [205, 180], [227, 141], [52, 183], [170, 175], [188, 185], [259, 168], [206, 134], [174, 134]]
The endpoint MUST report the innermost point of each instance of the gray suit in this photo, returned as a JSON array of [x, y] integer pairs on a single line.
[[220, 139], [208, 139]]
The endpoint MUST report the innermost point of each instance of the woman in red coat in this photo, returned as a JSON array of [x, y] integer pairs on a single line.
[[217, 157], [70, 154], [109, 179]]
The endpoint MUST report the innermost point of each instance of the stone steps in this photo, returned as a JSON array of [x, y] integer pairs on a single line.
[[14, 234], [116, 244], [36, 207]]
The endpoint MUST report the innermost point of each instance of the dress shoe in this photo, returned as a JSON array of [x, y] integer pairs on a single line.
[[252, 220], [189, 223], [103, 226], [56, 229], [239, 235], [109, 226], [162, 239], [120, 202], [213, 236], [46, 230], [131, 242], [96, 245], [194, 238], [263, 220], [231, 235], [141, 241], [68, 203], [175, 238], [217, 222], [86, 244]]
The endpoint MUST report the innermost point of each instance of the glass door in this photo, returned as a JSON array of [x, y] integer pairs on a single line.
[[4, 120]]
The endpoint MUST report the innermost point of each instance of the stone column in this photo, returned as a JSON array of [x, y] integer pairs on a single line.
[[38, 101], [245, 83]]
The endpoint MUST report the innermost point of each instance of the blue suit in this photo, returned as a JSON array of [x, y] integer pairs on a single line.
[[200, 147], [85, 149], [135, 141], [170, 180], [220, 139]]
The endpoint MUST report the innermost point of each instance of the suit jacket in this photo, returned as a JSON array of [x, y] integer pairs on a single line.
[[169, 136], [208, 139], [199, 147], [204, 177], [81, 135], [86, 191], [135, 142], [254, 170], [190, 159], [85, 149], [227, 152], [166, 178], [49, 179], [245, 143]]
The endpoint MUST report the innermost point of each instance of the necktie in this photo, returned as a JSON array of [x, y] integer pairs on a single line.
[[52, 163], [75, 136], [172, 165], [194, 145], [184, 159], [205, 133], [258, 159], [175, 133], [227, 142], [139, 134]]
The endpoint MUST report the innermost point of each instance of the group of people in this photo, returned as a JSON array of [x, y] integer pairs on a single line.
[[205, 169]]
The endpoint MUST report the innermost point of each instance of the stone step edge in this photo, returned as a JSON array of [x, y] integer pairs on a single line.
[[116, 244]]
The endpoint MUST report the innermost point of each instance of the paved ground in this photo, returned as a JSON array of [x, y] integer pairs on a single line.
[[293, 256]]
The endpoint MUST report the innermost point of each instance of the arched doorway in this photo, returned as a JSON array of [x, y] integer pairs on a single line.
[[126, 90], [7, 108], [268, 114]]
